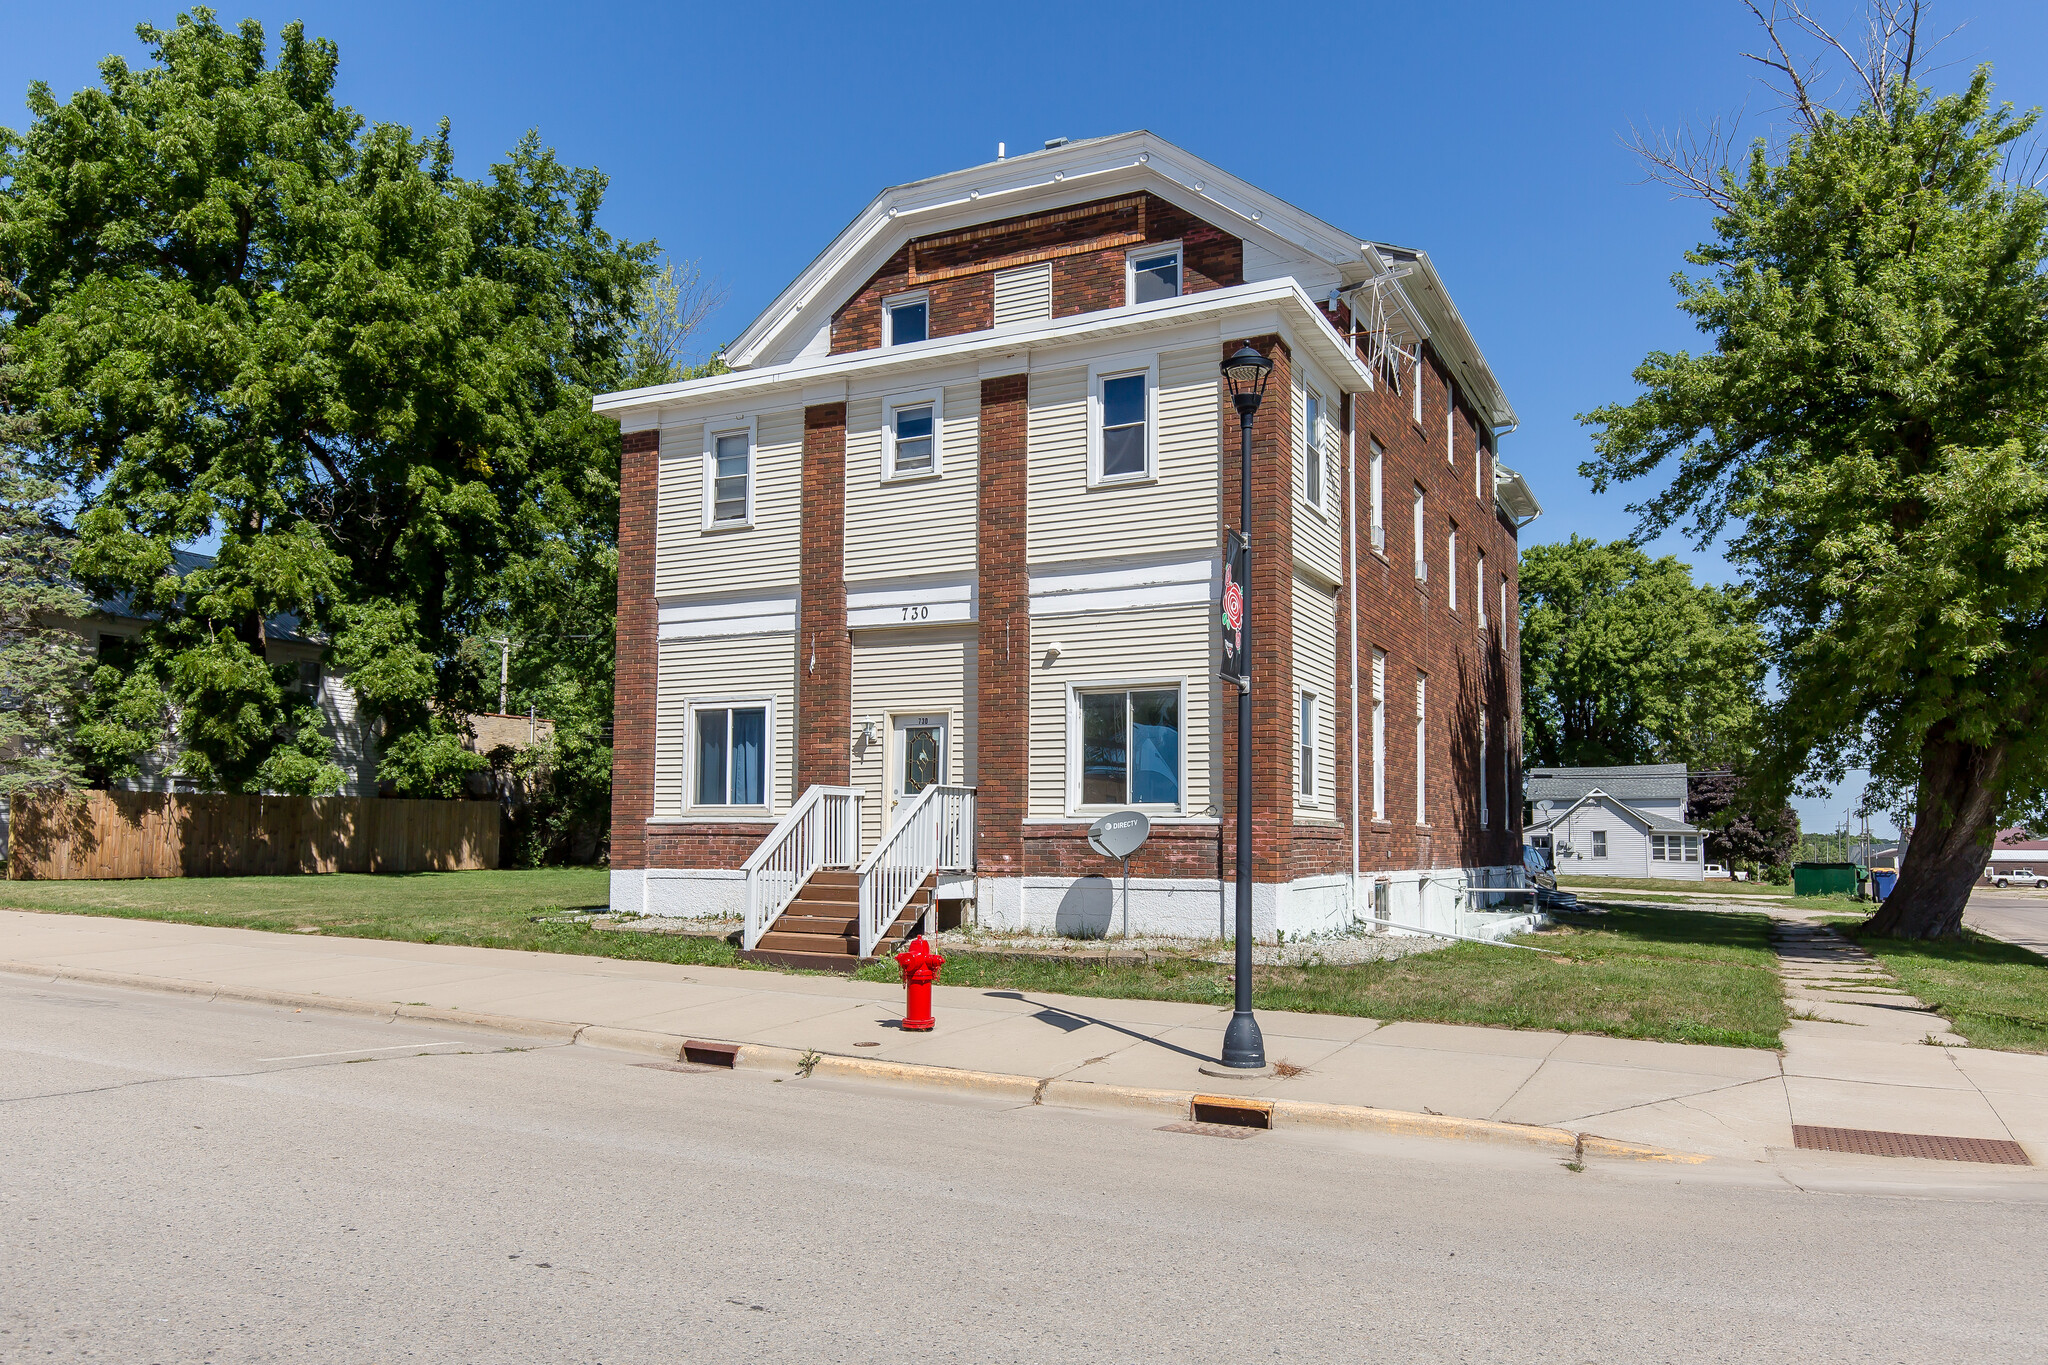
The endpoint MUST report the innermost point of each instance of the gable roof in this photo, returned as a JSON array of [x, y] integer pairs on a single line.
[[1094, 168], [283, 626], [1628, 782], [1649, 819]]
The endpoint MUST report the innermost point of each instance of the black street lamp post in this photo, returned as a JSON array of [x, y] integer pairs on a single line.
[[1246, 373]]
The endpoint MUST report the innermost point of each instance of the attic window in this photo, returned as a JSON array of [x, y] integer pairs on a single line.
[[1154, 273], [906, 319]]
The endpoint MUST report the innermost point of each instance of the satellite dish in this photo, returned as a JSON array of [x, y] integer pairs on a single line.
[[1119, 835], [1545, 806]]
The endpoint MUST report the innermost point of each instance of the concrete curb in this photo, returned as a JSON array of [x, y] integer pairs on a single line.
[[1167, 1104]]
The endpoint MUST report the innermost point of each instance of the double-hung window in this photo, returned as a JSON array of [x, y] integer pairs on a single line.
[[1479, 590], [1129, 749], [1674, 848], [729, 755], [1485, 808], [1377, 480], [905, 319], [1450, 424], [910, 437], [1421, 749], [1415, 398], [1312, 453], [1152, 273], [1379, 734], [1599, 843], [1306, 747], [1122, 444], [1451, 564], [1421, 563], [729, 478]]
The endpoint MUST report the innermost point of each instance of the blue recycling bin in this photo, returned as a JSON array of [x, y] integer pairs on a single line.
[[1882, 879]]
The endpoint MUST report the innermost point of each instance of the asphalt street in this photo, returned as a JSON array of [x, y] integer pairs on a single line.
[[2015, 915], [187, 1181]]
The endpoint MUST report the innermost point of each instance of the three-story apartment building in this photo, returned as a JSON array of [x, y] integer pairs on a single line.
[[954, 521]]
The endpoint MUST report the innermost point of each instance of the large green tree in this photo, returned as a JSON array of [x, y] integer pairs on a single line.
[[42, 664], [1868, 427], [245, 313], [1626, 660]]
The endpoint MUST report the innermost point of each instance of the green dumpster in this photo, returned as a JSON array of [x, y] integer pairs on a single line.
[[1823, 879]]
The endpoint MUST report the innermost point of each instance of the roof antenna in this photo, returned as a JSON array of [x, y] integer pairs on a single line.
[[999, 151]]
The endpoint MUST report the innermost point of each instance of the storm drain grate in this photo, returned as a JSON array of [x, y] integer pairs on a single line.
[[1229, 1130], [1928, 1146], [1235, 1111]]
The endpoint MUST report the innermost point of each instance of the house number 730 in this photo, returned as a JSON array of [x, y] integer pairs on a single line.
[[917, 613]]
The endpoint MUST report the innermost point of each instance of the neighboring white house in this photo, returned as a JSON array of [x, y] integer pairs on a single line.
[[1626, 821], [110, 629]]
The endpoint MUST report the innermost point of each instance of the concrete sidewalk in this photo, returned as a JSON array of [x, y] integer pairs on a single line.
[[1734, 1103]]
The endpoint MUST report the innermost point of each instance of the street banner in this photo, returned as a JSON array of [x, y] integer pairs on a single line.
[[1236, 570]]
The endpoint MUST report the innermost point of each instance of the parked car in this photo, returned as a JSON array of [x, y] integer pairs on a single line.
[[1713, 870], [2016, 876]]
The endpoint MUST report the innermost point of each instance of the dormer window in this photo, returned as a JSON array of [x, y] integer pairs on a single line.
[[906, 319], [1153, 273]]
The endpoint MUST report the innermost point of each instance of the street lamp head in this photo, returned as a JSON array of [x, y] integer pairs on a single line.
[[1246, 373]]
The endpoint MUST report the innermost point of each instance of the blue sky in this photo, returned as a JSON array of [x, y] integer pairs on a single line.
[[1488, 133]]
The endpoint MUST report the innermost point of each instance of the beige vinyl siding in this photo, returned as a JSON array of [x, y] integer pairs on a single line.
[[711, 670], [1023, 294], [915, 672], [690, 561], [1176, 512], [1316, 544], [1315, 669], [912, 527], [1104, 649]]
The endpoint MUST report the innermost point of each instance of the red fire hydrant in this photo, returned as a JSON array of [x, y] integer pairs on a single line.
[[920, 968]]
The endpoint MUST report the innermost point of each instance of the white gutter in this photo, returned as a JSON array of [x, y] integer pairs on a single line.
[[1311, 331]]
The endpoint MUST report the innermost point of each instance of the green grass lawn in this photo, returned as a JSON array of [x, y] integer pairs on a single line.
[[1995, 994], [475, 909], [1675, 976], [1635, 972]]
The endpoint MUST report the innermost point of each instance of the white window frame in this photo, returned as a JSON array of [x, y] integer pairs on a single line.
[[714, 429], [1315, 447], [1504, 611], [1421, 529], [1598, 839], [1451, 424], [935, 400], [1692, 847], [895, 301], [1479, 588], [1416, 400], [1421, 748], [768, 773], [1485, 807], [1451, 564], [1308, 751], [1122, 367], [1148, 684], [1379, 734], [1378, 457], [1156, 249]]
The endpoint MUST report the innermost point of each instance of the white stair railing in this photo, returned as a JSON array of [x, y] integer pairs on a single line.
[[821, 830], [934, 833]]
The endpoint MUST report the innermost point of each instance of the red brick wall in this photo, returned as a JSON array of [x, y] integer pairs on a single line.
[[1417, 629], [1271, 615], [1181, 851], [702, 846], [636, 645], [824, 651], [1003, 655], [1082, 281]]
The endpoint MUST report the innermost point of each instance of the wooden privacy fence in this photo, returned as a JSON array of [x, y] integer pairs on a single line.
[[151, 834]]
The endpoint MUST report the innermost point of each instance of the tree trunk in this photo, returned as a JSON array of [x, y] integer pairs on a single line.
[[1961, 790]]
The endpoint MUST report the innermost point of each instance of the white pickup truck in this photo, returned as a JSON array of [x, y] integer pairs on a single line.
[[2016, 876]]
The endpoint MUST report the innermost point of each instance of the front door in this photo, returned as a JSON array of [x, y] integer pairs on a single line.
[[917, 758]]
